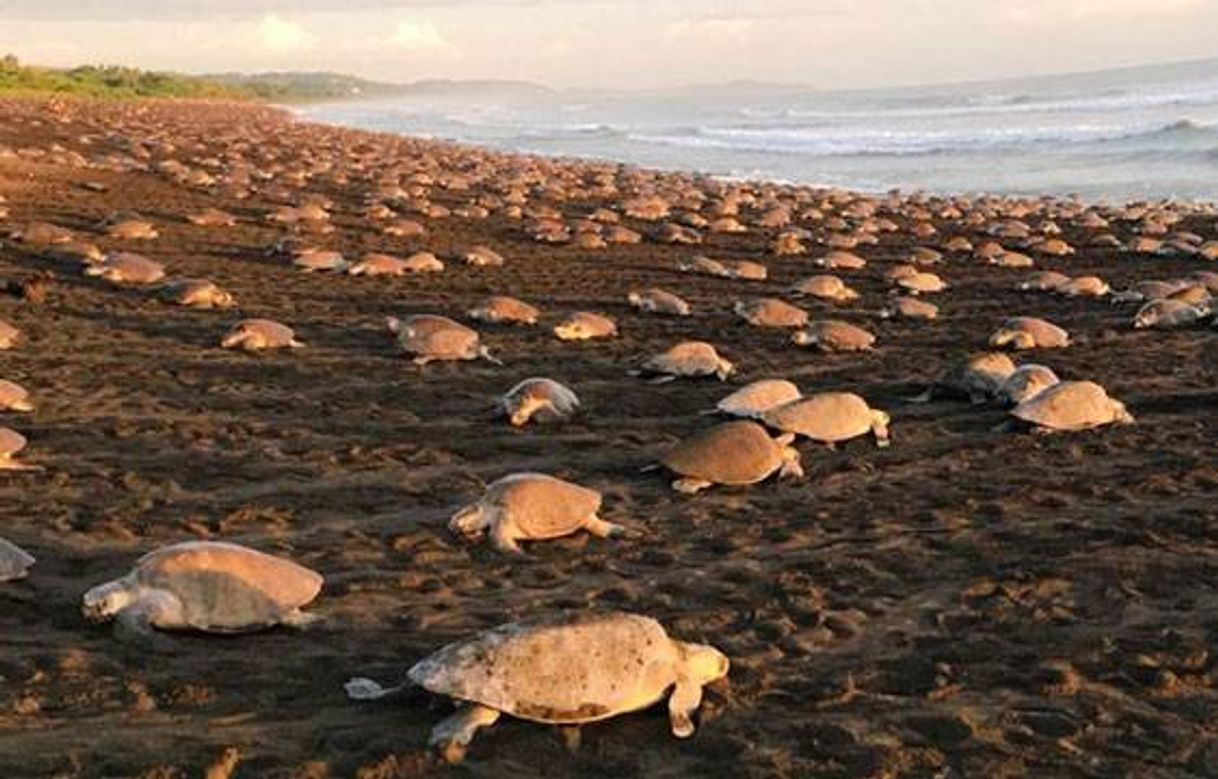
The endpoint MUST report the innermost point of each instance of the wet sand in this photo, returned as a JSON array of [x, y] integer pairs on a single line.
[[968, 602]]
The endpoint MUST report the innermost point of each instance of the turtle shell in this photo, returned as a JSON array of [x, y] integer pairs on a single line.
[[1046, 334], [561, 670], [688, 358], [828, 417], [1070, 405], [755, 399], [226, 587], [1026, 382], [562, 397], [732, 453], [428, 335], [274, 333], [981, 373], [11, 442], [542, 506], [14, 561], [772, 312]]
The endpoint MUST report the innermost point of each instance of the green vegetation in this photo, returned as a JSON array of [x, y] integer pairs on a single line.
[[304, 87], [108, 81]]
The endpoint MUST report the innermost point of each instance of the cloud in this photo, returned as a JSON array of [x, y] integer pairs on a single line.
[[417, 36], [281, 36]]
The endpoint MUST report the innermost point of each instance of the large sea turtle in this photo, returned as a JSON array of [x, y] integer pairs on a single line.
[[567, 670], [734, 453], [532, 507], [211, 586]]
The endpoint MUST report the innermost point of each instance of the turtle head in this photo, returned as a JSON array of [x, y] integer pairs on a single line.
[[791, 468], [222, 299], [703, 663], [394, 324], [105, 600], [635, 299], [238, 336], [471, 521], [803, 338], [1144, 319], [879, 426], [724, 369], [1120, 414], [569, 331], [1010, 336], [526, 408]]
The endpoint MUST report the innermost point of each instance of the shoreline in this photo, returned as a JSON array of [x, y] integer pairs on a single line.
[[969, 600]]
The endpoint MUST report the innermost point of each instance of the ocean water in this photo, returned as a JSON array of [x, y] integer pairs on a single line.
[[1145, 133]]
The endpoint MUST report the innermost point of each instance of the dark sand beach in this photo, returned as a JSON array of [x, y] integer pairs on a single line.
[[967, 602]]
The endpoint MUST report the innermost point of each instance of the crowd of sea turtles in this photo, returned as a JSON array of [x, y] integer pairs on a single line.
[[580, 667]]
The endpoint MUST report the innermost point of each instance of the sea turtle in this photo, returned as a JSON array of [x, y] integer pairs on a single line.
[[429, 338], [1025, 332], [1168, 314], [770, 312], [377, 264], [501, 309], [977, 377], [14, 397], [832, 335], [830, 417], [1026, 382], [532, 507], [733, 453], [1083, 287], [908, 307], [132, 230], [253, 335], [585, 326], [11, 443], [195, 293], [689, 359], [212, 217], [753, 400], [422, 262], [840, 260], [9, 336], [704, 266], [920, 282], [482, 257], [1042, 281], [210, 586], [1071, 406], [746, 270], [659, 301], [1143, 291], [127, 268], [318, 260], [1012, 260], [540, 399], [15, 562], [826, 287], [567, 670]]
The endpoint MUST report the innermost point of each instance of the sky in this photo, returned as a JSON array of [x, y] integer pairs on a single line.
[[618, 43]]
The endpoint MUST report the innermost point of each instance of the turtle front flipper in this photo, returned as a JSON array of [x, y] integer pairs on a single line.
[[685, 699], [503, 537], [452, 736], [135, 624], [689, 486]]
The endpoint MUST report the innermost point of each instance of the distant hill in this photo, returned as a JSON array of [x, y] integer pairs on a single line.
[[315, 87], [302, 87]]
